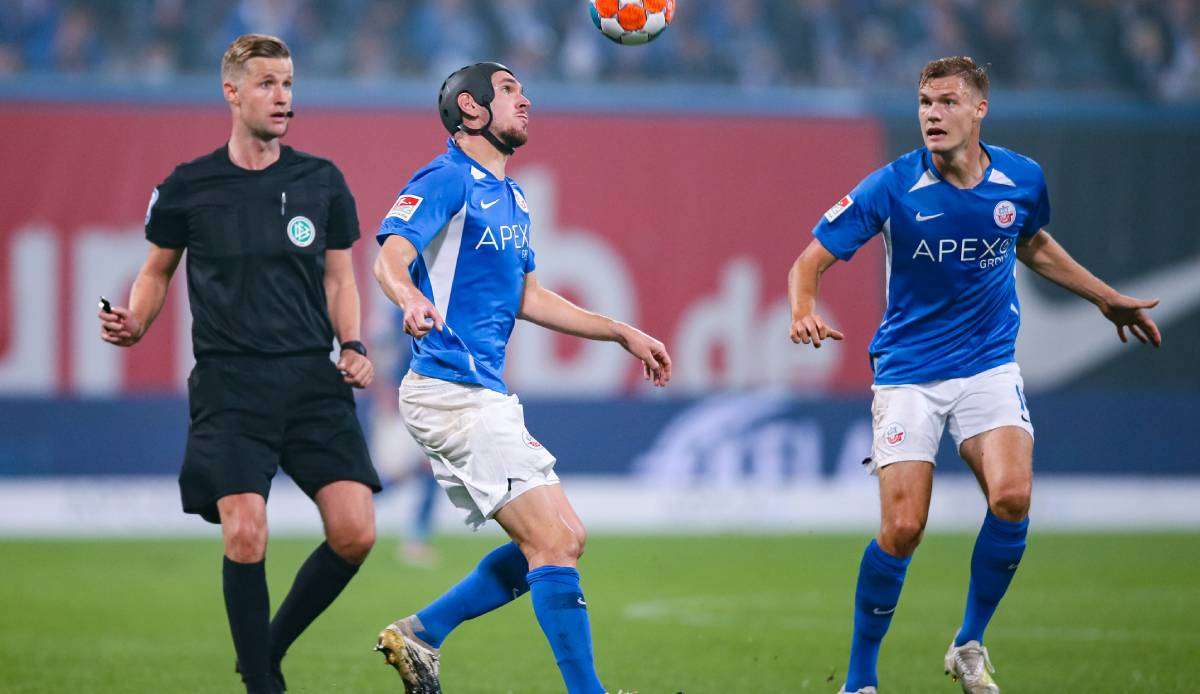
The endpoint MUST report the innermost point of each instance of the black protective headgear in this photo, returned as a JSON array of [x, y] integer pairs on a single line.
[[475, 80]]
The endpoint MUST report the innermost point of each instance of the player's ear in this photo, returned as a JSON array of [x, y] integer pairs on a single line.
[[469, 107], [231, 93], [981, 109]]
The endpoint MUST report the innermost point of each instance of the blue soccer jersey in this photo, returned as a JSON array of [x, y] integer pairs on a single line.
[[952, 308], [471, 232]]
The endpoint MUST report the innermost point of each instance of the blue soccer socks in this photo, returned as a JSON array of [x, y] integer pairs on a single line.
[[562, 613], [880, 578], [997, 555], [496, 581]]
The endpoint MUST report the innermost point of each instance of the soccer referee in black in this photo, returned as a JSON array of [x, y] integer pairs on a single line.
[[268, 232]]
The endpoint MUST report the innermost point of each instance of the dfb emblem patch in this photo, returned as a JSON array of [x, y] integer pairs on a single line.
[[894, 434], [405, 206], [1004, 214], [301, 231]]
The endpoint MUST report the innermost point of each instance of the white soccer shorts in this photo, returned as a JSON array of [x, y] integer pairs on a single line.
[[907, 420], [478, 446]]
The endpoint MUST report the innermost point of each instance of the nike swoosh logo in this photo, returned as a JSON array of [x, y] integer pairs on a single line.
[[581, 601], [1025, 418], [1049, 361], [879, 611], [923, 218], [486, 205]]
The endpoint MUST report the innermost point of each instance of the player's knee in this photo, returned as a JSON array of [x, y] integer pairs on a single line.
[[559, 549], [353, 544], [580, 541], [900, 536], [1011, 503], [245, 540]]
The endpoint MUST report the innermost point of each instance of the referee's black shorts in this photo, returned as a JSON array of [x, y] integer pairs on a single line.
[[250, 415]]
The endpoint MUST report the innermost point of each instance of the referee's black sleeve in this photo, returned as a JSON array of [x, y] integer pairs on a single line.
[[166, 218], [343, 215]]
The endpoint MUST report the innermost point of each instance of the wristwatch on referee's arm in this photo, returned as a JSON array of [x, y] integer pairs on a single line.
[[354, 346]]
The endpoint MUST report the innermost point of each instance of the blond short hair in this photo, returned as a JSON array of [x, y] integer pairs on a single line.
[[248, 46], [962, 66]]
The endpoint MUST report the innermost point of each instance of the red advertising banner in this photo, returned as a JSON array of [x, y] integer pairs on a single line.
[[683, 225]]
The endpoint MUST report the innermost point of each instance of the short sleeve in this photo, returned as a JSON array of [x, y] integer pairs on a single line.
[[530, 263], [1040, 216], [166, 215], [429, 200], [854, 219], [343, 228]]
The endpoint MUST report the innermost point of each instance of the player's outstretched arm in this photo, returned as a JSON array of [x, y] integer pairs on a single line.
[[1049, 259], [550, 310], [803, 281], [341, 296], [391, 271], [125, 326]]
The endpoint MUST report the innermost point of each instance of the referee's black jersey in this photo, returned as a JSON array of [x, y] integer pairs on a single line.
[[256, 243]]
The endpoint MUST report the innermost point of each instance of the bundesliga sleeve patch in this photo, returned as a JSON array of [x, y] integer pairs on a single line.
[[405, 206], [838, 208]]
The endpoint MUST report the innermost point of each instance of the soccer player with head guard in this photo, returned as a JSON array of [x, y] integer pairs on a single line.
[[268, 232], [955, 216], [456, 257]]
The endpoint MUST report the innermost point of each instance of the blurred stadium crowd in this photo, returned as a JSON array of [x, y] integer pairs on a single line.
[[1149, 48]]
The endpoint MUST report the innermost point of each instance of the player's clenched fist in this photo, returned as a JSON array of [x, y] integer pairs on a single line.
[[119, 327], [420, 316], [356, 369], [811, 328]]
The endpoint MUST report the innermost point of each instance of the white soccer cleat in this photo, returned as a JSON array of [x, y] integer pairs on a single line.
[[970, 666], [416, 661], [864, 690]]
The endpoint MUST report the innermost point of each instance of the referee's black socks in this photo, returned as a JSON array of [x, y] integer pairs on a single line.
[[318, 582], [249, 608]]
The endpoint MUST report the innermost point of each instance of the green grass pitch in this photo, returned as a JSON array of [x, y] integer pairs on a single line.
[[727, 614]]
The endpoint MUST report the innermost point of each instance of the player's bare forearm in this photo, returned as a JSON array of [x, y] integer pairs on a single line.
[[803, 282], [124, 326], [341, 295], [550, 310], [1042, 254], [1045, 256], [391, 271]]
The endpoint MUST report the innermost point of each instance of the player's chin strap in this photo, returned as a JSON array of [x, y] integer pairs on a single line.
[[488, 134]]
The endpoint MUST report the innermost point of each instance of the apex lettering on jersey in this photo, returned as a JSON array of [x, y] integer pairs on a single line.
[[970, 250], [516, 235]]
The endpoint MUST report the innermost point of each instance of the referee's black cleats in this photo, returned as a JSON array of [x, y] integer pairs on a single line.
[[276, 684], [416, 661]]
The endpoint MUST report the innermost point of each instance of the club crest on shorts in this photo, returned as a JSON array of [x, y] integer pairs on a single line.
[[301, 231], [894, 434], [1004, 214], [529, 440]]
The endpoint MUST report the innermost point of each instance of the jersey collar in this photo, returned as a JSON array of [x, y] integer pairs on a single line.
[[457, 153], [931, 170], [285, 153]]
